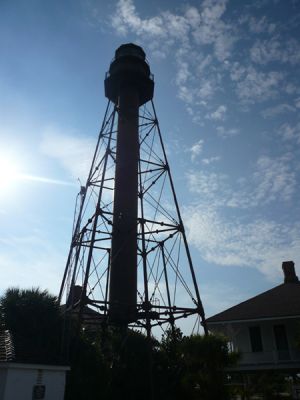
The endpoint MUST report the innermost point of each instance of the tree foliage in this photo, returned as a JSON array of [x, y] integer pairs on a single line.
[[32, 316], [190, 367], [194, 366], [112, 363]]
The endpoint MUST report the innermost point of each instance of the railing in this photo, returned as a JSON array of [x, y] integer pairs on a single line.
[[151, 76], [269, 357], [126, 55], [7, 351]]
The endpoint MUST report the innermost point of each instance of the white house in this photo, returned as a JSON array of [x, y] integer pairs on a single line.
[[20, 381], [265, 328], [28, 381]]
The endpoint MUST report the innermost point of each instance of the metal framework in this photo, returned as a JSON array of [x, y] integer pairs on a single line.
[[167, 290]]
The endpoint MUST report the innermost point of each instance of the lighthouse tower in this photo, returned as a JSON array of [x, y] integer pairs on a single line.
[[129, 263]]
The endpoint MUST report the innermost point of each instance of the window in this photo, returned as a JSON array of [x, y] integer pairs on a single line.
[[230, 347], [255, 339], [281, 342]]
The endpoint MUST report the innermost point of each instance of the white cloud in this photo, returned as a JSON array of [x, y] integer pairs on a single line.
[[210, 29], [219, 113], [260, 25], [291, 88], [165, 25], [72, 151], [203, 63], [201, 40], [290, 132], [275, 49], [182, 73], [210, 160], [237, 71], [186, 95], [223, 47], [209, 186], [31, 261], [276, 110], [273, 179], [260, 244], [196, 149], [210, 25], [226, 132], [192, 14], [43, 179], [205, 89], [126, 18], [253, 85], [177, 25], [181, 35]]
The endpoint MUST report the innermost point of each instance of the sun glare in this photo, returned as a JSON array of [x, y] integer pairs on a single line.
[[8, 172]]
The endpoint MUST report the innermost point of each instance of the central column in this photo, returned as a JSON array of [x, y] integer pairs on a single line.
[[123, 274]]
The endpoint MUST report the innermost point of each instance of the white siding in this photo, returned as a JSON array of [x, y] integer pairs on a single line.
[[18, 380], [238, 335]]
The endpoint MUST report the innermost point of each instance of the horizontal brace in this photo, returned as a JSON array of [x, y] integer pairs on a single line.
[[97, 247], [104, 180], [141, 306], [99, 186], [157, 231], [146, 124], [152, 163], [162, 168], [147, 118], [170, 309], [157, 244], [166, 320], [102, 211], [97, 240], [153, 182], [103, 233], [161, 223]]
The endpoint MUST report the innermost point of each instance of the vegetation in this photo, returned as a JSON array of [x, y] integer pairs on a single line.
[[32, 317], [116, 363], [195, 366], [267, 385]]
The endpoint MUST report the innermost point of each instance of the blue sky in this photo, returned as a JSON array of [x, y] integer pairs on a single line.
[[227, 95]]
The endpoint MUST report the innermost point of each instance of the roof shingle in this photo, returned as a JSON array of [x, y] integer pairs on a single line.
[[281, 301]]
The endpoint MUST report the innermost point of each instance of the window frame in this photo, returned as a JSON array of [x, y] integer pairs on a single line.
[[255, 337]]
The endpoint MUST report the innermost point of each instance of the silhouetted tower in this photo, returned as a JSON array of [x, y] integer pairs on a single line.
[[129, 263], [129, 86]]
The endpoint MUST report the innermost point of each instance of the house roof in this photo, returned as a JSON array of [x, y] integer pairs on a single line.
[[281, 301]]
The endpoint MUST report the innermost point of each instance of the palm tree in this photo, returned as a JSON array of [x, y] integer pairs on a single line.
[[33, 318]]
